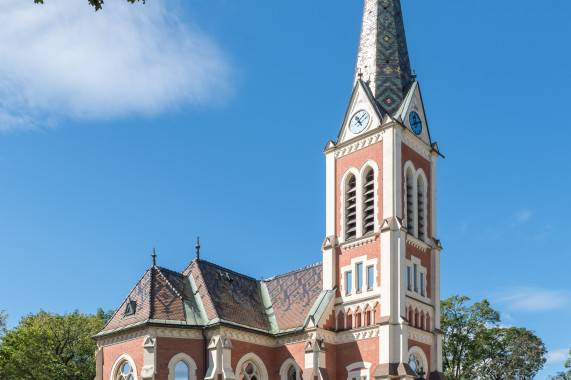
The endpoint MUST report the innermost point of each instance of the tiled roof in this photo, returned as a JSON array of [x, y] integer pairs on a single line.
[[164, 296], [294, 293], [158, 295]]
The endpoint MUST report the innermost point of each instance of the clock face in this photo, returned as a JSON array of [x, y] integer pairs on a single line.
[[359, 121], [415, 123]]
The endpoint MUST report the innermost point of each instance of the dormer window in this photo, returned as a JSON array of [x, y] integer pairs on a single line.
[[130, 308]]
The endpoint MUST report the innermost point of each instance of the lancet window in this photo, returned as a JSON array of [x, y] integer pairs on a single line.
[[351, 208], [369, 202]]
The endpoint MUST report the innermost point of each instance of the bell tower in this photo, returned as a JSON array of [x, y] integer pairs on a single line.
[[381, 254]]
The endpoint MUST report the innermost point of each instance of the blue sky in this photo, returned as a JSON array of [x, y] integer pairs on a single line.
[[144, 126]]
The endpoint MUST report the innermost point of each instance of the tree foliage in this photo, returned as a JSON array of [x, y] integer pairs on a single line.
[[475, 347], [564, 375], [48, 346], [97, 4], [3, 318]]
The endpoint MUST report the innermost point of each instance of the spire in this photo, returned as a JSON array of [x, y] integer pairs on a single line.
[[154, 256], [197, 248], [383, 54]]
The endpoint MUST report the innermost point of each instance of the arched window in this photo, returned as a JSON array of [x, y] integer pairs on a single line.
[[409, 196], [182, 367], [249, 371], [125, 371], [351, 208], [421, 214], [369, 202], [417, 362], [181, 371], [349, 320], [290, 370]]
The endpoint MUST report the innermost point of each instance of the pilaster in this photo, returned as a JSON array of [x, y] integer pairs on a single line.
[[220, 355], [149, 359], [315, 355]]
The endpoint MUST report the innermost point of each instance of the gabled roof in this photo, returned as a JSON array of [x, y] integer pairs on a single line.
[[206, 294]]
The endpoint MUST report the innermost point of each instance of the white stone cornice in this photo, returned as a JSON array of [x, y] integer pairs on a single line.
[[417, 243], [359, 242], [420, 335], [358, 145]]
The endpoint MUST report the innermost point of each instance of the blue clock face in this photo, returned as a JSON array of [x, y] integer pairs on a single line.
[[359, 122], [415, 123]]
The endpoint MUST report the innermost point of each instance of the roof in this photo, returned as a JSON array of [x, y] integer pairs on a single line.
[[205, 294]]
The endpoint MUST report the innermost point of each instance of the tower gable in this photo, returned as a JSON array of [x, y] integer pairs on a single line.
[[361, 99], [413, 103]]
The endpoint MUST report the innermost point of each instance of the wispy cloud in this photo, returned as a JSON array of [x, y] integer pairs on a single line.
[[557, 356], [62, 60], [523, 216], [532, 299]]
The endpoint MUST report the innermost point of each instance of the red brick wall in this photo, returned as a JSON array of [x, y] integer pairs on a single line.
[[424, 256], [419, 162], [273, 357], [371, 250], [166, 348], [356, 160], [133, 348], [348, 353]]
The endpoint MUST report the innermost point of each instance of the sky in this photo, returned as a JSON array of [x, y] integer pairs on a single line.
[[144, 126]]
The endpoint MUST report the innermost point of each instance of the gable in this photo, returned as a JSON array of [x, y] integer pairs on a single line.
[[361, 99], [413, 103]]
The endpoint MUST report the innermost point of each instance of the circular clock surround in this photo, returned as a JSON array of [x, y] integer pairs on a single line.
[[415, 123], [359, 121]]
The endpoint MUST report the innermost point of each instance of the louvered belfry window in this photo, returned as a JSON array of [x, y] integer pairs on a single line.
[[369, 203], [351, 208], [409, 202], [421, 209]]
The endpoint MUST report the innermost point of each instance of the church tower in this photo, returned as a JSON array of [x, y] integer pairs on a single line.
[[381, 255]]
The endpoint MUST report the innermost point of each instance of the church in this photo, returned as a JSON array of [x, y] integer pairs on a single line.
[[369, 310]]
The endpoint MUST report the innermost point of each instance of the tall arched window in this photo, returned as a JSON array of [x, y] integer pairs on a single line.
[[351, 208], [292, 373], [369, 202], [409, 189], [421, 214]]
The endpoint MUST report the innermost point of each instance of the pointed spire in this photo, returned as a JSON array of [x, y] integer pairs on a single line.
[[383, 54]]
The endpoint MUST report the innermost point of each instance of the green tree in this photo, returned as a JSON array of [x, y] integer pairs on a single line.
[[564, 375], [3, 318], [48, 346], [510, 353], [97, 4], [465, 329]]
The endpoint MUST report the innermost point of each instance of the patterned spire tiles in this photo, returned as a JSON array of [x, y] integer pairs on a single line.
[[383, 54]]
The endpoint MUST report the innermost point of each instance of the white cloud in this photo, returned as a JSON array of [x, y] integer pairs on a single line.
[[62, 59], [523, 216], [557, 356], [533, 299]]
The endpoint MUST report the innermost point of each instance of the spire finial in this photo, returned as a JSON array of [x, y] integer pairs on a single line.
[[154, 255], [197, 247]]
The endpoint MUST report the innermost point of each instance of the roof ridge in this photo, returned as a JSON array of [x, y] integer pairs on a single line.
[[195, 261], [168, 282], [170, 270], [294, 271], [125, 299], [226, 269]]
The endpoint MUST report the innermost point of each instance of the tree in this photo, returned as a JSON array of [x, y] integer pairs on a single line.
[[47, 346], [3, 318], [510, 353], [464, 328], [97, 4], [564, 375]]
